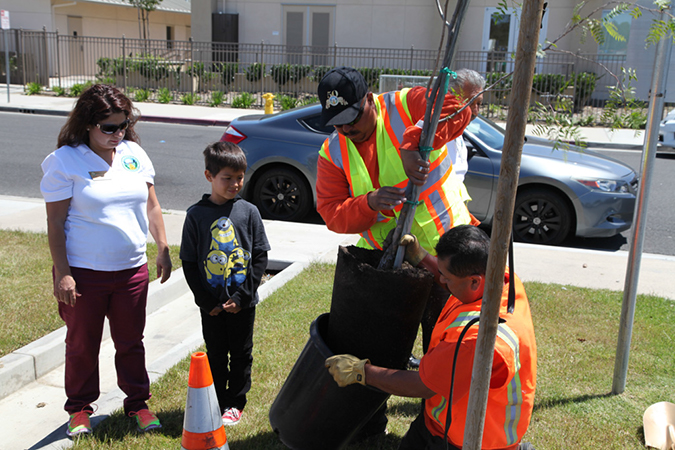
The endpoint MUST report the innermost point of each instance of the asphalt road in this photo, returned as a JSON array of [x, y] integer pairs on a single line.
[[175, 151]]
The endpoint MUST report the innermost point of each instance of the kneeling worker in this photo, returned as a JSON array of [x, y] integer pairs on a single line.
[[462, 263]]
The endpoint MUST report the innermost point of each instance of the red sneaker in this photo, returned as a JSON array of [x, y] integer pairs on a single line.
[[231, 416], [145, 420]]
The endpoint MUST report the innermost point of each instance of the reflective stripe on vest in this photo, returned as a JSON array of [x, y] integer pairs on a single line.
[[442, 196], [513, 389]]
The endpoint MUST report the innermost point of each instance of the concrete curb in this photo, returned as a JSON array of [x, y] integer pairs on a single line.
[[41, 356], [27, 364]]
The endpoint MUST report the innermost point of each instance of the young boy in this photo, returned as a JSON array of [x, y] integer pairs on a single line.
[[224, 253]]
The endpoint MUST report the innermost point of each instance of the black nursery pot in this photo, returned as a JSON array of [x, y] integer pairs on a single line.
[[311, 412], [375, 314]]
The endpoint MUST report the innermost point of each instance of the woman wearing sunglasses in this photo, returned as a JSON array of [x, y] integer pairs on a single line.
[[101, 202]]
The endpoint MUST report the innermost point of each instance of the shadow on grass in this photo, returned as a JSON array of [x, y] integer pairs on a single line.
[[270, 441], [117, 426], [552, 403]]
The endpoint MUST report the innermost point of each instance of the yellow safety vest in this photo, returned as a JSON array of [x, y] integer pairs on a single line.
[[443, 195]]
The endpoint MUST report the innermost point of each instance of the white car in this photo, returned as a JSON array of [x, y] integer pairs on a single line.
[[667, 133]]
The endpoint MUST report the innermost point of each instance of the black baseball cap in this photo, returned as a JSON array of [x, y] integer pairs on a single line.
[[340, 93]]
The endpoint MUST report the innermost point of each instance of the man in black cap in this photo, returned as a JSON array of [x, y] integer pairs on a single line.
[[365, 165]]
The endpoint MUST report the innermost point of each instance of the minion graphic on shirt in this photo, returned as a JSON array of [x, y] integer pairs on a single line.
[[222, 235], [215, 266], [237, 267]]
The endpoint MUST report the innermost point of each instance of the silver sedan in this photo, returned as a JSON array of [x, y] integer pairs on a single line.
[[566, 191]]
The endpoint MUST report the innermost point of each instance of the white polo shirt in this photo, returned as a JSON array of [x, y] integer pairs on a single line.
[[107, 223], [459, 155]]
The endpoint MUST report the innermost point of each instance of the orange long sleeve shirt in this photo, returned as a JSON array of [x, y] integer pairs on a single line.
[[346, 214]]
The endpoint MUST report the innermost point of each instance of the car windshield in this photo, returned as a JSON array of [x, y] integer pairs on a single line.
[[487, 131]]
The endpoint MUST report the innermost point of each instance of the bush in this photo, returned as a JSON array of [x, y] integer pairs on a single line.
[[550, 82], [502, 85], [372, 76], [33, 88], [141, 95], [288, 102], [254, 72], [196, 69], [320, 71], [243, 100], [283, 73], [308, 100], [109, 67], [77, 89], [227, 71], [584, 84], [189, 99], [216, 98], [59, 91], [164, 95]]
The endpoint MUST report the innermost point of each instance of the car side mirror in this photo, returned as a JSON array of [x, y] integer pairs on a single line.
[[470, 150]]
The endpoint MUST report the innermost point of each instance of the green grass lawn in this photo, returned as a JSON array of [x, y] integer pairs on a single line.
[[28, 310], [576, 333]]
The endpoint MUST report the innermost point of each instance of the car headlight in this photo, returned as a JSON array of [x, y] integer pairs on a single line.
[[606, 185]]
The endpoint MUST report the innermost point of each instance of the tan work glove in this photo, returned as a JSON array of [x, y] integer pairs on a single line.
[[347, 369], [414, 253]]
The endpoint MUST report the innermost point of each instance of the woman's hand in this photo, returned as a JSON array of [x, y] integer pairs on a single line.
[[164, 264], [65, 290]]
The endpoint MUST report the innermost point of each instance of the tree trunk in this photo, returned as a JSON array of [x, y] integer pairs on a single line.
[[530, 23]]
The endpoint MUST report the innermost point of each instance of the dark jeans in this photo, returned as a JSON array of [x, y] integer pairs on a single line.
[[120, 296], [229, 346], [418, 437]]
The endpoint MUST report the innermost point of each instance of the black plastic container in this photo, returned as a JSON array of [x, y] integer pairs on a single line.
[[374, 314], [311, 412]]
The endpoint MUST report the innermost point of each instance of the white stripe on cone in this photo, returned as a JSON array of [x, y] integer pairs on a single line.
[[202, 413]]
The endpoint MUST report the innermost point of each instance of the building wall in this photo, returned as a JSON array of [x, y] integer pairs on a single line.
[[29, 15], [97, 19], [379, 23], [117, 21]]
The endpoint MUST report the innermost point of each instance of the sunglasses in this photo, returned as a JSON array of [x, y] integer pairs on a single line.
[[110, 128], [358, 116]]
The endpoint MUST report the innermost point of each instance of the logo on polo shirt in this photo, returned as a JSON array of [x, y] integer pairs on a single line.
[[131, 163]]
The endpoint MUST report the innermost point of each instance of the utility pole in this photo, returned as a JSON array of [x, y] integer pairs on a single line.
[[658, 94]]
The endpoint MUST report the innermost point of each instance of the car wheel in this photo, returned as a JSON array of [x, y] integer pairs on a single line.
[[541, 217], [282, 194]]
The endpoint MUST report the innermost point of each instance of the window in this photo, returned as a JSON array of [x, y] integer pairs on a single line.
[[621, 23], [169, 37]]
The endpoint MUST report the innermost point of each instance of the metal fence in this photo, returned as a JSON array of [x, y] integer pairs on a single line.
[[237, 74]]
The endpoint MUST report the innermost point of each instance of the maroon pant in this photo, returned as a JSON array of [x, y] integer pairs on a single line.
[[121, 296]]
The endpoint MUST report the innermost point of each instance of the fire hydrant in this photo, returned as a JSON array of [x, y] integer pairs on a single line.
[[269, 103]]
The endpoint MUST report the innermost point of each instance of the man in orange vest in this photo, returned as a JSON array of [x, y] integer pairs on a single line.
[[364, 167], [461, 262]]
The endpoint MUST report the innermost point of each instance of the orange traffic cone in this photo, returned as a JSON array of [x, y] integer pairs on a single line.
[[202, 425]]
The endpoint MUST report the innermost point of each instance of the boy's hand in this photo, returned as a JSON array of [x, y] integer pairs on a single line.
[[215, 311], [231, 307]]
